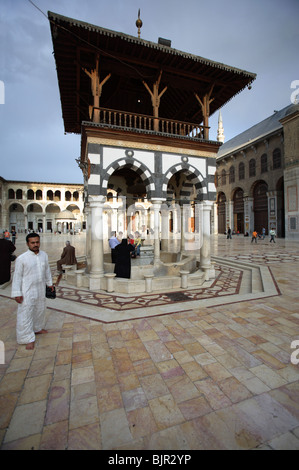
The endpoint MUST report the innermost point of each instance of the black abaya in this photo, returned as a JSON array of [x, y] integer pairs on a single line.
[[123, 259], [6, 249]]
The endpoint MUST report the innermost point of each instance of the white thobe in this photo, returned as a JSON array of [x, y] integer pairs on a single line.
[[32, 274]]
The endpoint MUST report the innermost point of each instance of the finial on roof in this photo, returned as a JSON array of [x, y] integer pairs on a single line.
[[139, 23]]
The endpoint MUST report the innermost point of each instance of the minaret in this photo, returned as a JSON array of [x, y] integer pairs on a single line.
[[220, 131]]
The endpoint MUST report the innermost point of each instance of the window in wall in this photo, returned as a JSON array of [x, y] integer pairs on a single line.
[[223, 177], [264, 163], [241, 171], [276, 159], [19, 194], [57, 196], [39, 195], [50, 196], [11, 194], [76, 196], [232, 174], [68, 196], [252, 167], [30, 194]]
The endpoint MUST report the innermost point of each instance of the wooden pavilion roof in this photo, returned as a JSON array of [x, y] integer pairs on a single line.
[[131, 61]]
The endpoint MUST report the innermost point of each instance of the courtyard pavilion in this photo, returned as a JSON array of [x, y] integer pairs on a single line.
[[142, 109]]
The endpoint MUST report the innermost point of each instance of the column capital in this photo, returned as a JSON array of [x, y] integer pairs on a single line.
[[96, 201], [207, 205], [157, 201]]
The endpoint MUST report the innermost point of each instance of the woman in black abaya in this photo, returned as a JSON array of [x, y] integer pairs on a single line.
[[123, 259], [6, 250]]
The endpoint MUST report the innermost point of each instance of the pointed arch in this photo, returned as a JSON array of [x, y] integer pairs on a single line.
[[194, 180], [134, 165]]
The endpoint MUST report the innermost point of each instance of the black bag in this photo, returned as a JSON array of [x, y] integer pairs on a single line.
[[50, 294]]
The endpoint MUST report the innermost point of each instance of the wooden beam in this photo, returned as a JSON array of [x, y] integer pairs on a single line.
[[205, 107], [96, 89], [156, 97]]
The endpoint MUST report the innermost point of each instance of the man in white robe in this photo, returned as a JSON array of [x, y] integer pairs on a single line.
[[32, 274]]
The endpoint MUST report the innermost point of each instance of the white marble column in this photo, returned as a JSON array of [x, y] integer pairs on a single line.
[[229, 214], [96, 273], [182, 229], [272, 210], [215, 224], [87, 211], [248, 214], [164, 227], [5, 219], [205, 251], [156, 206]]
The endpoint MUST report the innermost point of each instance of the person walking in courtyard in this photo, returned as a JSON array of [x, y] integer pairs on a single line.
[[272, 234], [68, 256], [229, 233], [254, 236], [13, 236], [6, 235], [32, 274], [6, 250]]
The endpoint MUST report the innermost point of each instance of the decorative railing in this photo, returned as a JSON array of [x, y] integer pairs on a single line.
[[113, 118]]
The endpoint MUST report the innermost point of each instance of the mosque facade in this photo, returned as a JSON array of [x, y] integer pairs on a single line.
[[257, 177]]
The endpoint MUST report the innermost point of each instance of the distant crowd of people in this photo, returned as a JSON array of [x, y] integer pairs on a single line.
[[254, 236]]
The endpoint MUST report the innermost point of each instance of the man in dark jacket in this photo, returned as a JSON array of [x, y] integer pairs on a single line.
[[67, 257]]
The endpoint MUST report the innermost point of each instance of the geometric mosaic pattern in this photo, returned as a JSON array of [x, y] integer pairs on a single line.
[[227, 282]]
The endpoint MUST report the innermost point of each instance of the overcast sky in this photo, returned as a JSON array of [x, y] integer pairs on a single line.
[[260, 36]]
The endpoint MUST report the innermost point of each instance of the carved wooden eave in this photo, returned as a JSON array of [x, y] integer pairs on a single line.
[[129, 62]]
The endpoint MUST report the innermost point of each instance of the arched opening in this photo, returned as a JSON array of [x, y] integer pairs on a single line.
[[51, 211], [19, 194], [238, 200], [280, 208], [184, 189], [11, 194], [33, 211], [221, 212], [260, 206], [16, 217], [30, 194], [68, 196]]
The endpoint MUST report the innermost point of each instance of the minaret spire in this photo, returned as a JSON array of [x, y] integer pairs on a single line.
[[220, 131]]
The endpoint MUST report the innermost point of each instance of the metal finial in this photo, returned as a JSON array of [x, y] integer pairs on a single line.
[[139, 23]]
